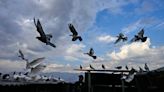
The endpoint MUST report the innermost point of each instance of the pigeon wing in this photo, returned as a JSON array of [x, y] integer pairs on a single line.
[[141, 33], [36, 61], [53, 45], [39, 28], [72, 29], [119, 39]]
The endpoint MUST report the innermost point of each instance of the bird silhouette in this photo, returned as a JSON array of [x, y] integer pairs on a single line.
[[34, 63], [22, 56], [91, 67], [126, 67], [91, 53], [146, 67], [74, 35], [118, 67], [45, 38], [81, 67], [139, 37], [103, 67], [121, 37], [140, 69]]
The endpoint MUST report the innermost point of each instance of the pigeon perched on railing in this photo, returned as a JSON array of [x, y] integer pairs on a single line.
[[146, 67], [81, 67], [118, 67], [91, 53], [74, 35], [45, 38], [103, 66], [91, 67]]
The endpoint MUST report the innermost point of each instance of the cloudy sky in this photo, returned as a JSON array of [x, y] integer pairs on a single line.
[[97, 21]]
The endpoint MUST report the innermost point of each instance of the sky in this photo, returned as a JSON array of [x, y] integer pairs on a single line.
[[98, 22]]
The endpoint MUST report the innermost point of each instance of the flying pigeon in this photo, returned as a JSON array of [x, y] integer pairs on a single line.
[[118, 67], [91, 53], [74, 35], [34, 63], [121, 37], [38, 68], [81, 67], [139, 36], [103, 67], [146, 67], [45, 38], [22, 56], [91, 67]]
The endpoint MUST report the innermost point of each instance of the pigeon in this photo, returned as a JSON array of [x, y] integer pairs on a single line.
[[91, 67], [103, 67], [34, 63], [118, 67], [45, 38], [146, 67], [126, 67], [74, 35], [81, 67], [139, 37], [130, 76], [38, 68], [22, 56], [91, 53], [140, 70], [121, 37]]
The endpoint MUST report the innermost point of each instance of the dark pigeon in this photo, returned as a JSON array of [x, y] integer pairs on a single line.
[[139, 36], [103, 67], [121, 37], [118, 67], [45, 38], [74, 35], [146, 67], [91, 53], [91, 67], [81, 67]]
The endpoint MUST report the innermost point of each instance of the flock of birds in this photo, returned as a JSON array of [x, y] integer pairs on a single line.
[[46, 38], [36, 66]]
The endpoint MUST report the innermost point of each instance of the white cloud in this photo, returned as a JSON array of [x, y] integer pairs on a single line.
[[131, 50], [106, 38], [10, 65]]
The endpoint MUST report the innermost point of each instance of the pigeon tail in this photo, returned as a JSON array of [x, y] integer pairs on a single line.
[[94, 57], [144, 39], [80, 39]]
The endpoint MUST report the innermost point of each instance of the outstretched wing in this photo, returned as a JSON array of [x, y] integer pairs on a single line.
[[21, 54], [39, 28], [51, 44], [72, 29], [141, 33], [38, 68], [36, 62], [91, 52], [119, 39]]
